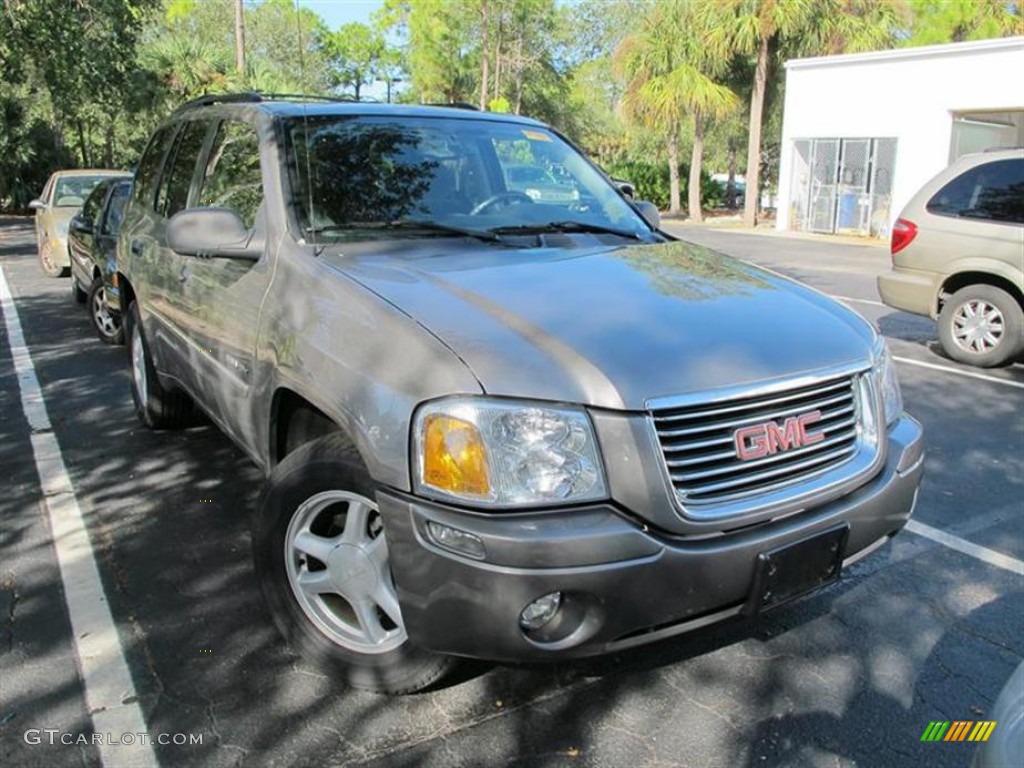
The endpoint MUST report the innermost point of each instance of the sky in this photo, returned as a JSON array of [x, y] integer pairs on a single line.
[[338, 12]]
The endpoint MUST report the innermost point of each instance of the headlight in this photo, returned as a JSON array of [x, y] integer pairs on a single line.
[[502, 453], [888, 383], [533, 194]]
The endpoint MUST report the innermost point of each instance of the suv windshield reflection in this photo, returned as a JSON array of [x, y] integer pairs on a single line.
[[370, 178]]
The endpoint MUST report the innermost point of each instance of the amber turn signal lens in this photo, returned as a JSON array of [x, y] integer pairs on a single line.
[[454, 458]]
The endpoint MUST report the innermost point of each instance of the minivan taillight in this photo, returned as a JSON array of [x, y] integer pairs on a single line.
[[903, 233]]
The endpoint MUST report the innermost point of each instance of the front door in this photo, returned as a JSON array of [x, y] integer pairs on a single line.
[[223, 296]]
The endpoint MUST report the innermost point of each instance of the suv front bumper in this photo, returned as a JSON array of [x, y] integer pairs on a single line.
[[622, 584]]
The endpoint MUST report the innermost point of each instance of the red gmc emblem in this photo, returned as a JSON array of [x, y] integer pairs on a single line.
[[766, 439]]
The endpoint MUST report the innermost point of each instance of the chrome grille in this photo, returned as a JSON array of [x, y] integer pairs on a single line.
[[698, 441]]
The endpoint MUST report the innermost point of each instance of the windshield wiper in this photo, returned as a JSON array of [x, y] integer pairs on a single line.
[[411, 224], [565, 226]]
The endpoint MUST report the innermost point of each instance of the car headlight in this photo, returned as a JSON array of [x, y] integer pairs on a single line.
[[506, 454], [888, 382]]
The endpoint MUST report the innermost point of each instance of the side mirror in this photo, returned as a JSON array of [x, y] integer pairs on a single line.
[[81, 224], [216, 233], [649, 211], [37, 204], [625, 187]]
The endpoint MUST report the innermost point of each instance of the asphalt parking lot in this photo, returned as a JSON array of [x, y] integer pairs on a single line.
[[921, 630]]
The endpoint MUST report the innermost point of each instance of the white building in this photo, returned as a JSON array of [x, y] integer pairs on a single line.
[[862, 132]]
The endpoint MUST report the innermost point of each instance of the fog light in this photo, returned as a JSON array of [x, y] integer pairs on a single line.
[[540, 611], [455, 540]]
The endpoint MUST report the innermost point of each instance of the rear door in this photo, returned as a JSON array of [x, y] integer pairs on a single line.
[[106, 230], [82, 234], [166, 271]]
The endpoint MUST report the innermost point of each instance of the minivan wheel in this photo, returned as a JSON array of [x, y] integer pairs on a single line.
[[321, 557], [981, 325], [106, 322], [156, 407]]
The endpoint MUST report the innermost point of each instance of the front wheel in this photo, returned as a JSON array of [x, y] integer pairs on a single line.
[[322, 561], [46, 261], [105, 321], [981, 325]]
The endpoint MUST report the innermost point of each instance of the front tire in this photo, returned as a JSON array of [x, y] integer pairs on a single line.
[[322, 561], [105, 321], [49, 266], [982, 325], [156, 407]]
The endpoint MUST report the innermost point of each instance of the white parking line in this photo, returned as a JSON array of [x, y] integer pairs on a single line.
[[859, 301], [990, 556], [109, 691], [958, 372]]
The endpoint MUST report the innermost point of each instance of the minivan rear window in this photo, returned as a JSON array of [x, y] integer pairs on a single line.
[[991, 191]]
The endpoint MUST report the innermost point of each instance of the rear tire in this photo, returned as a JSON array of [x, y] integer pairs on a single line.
[[105, 321], [156, 407], [982, 325], [321, 559]]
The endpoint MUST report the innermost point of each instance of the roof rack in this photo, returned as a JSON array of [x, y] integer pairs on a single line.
[[255, 97], [453, 105]]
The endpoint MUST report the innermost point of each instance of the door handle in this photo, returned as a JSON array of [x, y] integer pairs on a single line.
[[136, 247]]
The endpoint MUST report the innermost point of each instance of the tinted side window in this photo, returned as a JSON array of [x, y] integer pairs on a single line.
[[148, 170], [232, 178], [993, 191], [177, 178], [115, 208], [91, 209]]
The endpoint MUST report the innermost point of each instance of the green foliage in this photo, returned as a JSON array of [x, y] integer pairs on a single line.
[[652, 182], [86, 82], [949, 21], [357, 55]]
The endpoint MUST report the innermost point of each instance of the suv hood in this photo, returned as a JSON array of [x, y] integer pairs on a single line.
[[610, 327]]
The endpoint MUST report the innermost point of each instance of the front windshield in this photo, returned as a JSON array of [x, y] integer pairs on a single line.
[[71, 191], [371, 178]]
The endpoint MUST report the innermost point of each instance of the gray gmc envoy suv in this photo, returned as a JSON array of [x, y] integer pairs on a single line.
[[494, 424]]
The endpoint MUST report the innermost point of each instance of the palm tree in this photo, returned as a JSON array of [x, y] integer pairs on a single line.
[[669, 77], [760, 28]]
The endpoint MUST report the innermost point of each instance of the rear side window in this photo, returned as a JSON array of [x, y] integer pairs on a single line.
[[91, 209], [148, 171], [992, 191], [115, 208], [232, 177], [177, 178]]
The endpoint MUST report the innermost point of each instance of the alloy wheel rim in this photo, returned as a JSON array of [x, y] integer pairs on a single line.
[[105, 321], [139, 367], [978, 326], [338, 570]]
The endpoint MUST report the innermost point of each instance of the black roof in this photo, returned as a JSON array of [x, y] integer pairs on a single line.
[[293, 105]]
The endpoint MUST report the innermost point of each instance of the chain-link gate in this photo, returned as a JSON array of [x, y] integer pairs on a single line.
[[843, 185]]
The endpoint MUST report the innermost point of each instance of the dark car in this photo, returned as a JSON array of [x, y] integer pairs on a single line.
[[92, 238]]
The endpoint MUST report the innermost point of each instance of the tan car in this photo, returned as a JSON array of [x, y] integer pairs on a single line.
[[958, 257], [62, 198]]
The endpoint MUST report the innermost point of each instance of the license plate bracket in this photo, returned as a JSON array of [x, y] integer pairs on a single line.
[[795, 569]]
